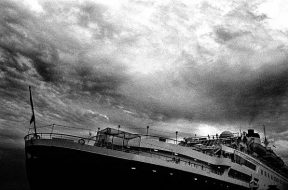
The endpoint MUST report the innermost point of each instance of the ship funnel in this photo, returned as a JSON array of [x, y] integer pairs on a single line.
[[250, 131]]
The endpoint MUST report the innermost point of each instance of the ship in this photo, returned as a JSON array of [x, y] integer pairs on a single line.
[[115, 158], [61, 157]]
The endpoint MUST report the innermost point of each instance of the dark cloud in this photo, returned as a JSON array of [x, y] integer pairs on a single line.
[[224, 34], [102, 81], [222, 94], [48, 68], [42, 52], [18, 39], [248, 98]]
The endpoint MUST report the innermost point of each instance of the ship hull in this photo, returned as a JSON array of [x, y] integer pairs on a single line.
[[52, 167]]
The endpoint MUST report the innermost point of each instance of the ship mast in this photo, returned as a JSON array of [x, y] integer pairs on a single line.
[[265, 139], [33, 115]]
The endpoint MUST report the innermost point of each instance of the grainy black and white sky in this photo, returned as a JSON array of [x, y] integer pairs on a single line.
[[192, 66]]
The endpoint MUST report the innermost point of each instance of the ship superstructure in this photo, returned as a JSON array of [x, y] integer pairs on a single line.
[[116, 158]]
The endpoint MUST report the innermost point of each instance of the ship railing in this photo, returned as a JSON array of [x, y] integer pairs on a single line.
[[150, 152], [78, 131], [210, 137], [85, 136], [61, 136], [60, 131]]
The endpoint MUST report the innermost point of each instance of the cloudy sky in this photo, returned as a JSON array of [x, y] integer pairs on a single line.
[[189, 66]]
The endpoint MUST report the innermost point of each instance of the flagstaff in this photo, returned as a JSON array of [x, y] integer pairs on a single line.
[[33, 115]]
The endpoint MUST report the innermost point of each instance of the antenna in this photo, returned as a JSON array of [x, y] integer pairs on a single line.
[[265, 139]]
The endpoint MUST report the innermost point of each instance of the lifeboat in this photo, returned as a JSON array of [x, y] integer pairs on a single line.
[[273, 158], [258, 148]]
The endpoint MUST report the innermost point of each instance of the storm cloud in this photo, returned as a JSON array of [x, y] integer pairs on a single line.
[[173, 65]]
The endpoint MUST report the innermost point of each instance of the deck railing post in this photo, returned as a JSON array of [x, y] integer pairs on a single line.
[[123, 139], [53, 125]]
